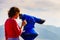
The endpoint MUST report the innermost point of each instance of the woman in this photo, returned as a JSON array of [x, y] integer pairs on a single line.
[[12, 30]]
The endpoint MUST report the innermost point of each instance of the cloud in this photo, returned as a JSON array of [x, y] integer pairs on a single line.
[[40, 5], [47, 9]]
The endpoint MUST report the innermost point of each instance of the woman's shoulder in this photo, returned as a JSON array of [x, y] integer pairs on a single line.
[[10, 20]]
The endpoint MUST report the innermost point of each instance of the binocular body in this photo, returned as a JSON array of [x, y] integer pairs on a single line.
[[29, 32]]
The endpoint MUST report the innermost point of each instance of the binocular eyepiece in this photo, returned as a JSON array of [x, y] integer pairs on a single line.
[[20, 16]]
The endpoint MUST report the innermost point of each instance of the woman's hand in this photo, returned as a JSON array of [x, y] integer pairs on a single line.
[[24, 23]]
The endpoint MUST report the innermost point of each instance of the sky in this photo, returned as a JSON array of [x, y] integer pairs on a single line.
[[44, 9]]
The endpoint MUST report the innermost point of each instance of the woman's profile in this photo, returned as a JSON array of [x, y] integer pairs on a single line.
[[12, 29]]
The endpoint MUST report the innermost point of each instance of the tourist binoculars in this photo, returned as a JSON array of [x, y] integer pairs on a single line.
[[29, 32]]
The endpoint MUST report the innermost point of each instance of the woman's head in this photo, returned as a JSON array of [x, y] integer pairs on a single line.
[[13, 12]]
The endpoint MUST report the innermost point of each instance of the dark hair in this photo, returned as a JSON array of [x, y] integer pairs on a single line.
[[13, 11]]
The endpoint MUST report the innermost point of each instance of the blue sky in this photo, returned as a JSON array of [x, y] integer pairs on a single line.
[[45, 9]]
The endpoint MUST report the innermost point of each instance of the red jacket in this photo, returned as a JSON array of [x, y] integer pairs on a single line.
[[12, 30]]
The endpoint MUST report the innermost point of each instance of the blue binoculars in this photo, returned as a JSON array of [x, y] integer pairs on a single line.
[[29, 32]]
